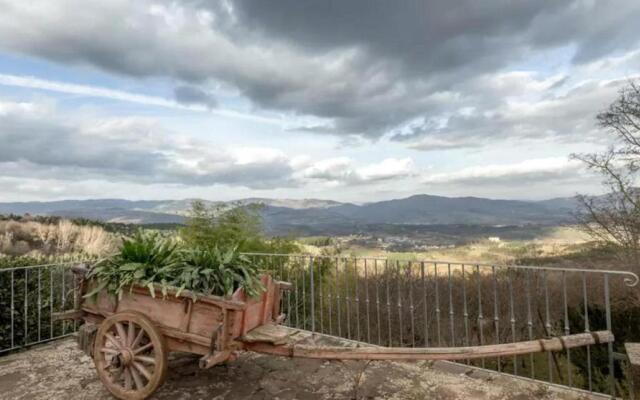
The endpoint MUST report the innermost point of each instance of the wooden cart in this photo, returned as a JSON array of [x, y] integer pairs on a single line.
[[130, 339]]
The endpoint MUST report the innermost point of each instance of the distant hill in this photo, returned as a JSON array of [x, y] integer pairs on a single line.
[[283, 216]]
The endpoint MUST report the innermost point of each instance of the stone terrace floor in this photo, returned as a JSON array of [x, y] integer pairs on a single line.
[[59, 370]]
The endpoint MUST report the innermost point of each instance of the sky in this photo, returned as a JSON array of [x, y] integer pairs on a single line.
[[359, 100]]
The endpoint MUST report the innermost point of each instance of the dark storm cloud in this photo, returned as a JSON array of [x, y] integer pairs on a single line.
[[438, 35], [365, 66]]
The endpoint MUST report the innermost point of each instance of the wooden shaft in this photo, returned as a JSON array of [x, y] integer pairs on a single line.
[[435, 353], [633, 353]]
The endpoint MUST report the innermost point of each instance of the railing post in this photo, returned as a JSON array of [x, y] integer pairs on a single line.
[[313, 302]]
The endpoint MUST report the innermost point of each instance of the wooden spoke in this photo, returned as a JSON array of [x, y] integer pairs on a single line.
[[146, 360], [131, 333], [109, 350], [113, 340], [137, 379], [142, 370], [143, 348], [138, 338], [121, 333], [127, 379]]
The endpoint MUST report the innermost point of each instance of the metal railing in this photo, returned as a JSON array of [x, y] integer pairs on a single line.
[[401, 304], [29, 295], [445, 304]]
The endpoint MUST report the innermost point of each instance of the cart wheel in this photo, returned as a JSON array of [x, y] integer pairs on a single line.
[[130, 356]]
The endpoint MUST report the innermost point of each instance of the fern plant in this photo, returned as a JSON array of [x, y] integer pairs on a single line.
[[211, 270], [148, 259], [145, 259]]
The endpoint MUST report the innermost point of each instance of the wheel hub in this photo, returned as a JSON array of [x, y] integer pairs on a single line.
[[125, 357]]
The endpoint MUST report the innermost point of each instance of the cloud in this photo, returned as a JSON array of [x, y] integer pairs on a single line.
[[191, 95], [41, 143], [533, 170], [565, 117], [37, 142], [366, 75], [341, 171]]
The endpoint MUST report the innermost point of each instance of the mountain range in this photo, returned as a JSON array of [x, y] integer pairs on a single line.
[[311, 216]]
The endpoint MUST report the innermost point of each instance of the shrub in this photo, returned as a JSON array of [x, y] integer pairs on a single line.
[[239, 226], [148, 259]]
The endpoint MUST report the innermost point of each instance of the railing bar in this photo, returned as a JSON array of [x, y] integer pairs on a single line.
[[632, 276], [480, 316], [330, 302], [386, 271], [313, 297], [51, 302], [587, 329], [451, 315], [437, 293], [567, 329], [63, 305], [547, 322], [338, 297], [320, 278], [347, 299], [379, 325], [12, 309], [530, 321], [465, 310], [512, 319], [39, 303], [366, 280], [357, 278], [411, 305], [399, 285], [40, 266], [607, 305], [25, 317], [496, 318], [304, 296], [289, 311], [425, 301], [75, 300], [297, 302]]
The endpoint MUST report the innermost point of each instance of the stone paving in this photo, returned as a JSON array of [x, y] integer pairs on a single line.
[[60, 371]]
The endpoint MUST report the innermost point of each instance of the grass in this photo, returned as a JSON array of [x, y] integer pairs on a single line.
[[19, 238]]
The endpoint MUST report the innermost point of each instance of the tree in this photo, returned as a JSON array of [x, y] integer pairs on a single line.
[[200, 228], [615, 217], [230, 226]]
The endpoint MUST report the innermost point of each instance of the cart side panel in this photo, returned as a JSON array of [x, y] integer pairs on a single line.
[[258, 310], [170, 312], [205, 318]]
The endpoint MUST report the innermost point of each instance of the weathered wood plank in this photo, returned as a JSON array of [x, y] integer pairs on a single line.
[[633, 353], [268, 333], [435, 353]]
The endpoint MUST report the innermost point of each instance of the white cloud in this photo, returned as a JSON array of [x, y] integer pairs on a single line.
[[341, 171], [40, 142], [533, 169], [389, 168]]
